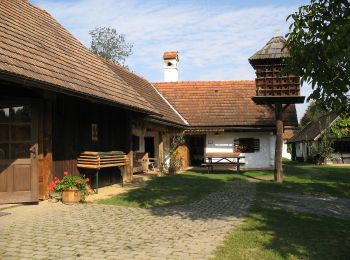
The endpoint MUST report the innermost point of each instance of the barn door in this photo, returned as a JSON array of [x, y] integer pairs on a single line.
[[18, 153]]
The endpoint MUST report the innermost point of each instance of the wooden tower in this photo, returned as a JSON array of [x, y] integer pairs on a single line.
[[276, 88]]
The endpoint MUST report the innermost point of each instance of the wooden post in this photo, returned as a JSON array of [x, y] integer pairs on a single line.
[[128, 170], [160, 148], [279, 143]]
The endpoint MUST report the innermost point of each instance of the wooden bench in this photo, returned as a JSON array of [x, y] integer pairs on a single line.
[[232, 159], [99, 160]]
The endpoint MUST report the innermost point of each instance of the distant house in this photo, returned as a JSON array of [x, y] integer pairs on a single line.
[[301, 142], [57, 99], [222, 114]]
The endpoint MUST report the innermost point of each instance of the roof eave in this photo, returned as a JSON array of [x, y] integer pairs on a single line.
[[30, 82], [233, 128], [153, 119]]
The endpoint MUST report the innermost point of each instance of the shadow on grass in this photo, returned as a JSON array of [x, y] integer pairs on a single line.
[[306, 179], [278, 234], [177, 192], [171, 190]]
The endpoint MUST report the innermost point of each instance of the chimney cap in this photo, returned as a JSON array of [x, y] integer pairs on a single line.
[[170, 55], [274, 49]]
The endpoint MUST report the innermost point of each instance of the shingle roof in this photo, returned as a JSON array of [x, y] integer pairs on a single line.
[[35, 46], [274, 49], [148, 92], [221, 103], [313, 130], [170, 55]]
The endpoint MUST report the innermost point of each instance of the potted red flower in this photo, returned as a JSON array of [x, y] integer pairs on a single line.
[[55, 195], [73, 188]]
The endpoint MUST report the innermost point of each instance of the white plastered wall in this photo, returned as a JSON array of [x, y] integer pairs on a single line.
[[301, 150], [285, 153], [171, 70], [298, 149], [262, 159]]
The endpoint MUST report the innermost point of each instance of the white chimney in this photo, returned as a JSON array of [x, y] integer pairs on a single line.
[[171, 66]]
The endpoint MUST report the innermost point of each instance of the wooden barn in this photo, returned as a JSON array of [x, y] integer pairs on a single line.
[[58, 99]]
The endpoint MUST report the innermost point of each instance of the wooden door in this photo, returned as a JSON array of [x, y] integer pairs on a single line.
[[18, 153], [149, 146], [184, 155]]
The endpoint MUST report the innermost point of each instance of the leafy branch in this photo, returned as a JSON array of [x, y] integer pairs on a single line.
[[110, 45]]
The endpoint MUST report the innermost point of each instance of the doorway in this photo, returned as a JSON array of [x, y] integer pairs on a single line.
[[18, 153], [196, 145], [149, 147]]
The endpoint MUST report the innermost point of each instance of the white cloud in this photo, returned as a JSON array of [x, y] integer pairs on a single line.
[[214, 43]]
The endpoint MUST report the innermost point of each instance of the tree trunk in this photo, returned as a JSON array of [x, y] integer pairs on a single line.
[[279, 143]]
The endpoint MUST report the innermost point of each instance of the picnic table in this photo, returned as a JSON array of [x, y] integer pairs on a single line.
[[223, 159]]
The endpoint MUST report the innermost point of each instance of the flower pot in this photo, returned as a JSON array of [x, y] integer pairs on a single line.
[[71, 196], [55, 196], [172, 170]]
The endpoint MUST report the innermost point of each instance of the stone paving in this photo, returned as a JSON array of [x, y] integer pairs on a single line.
[[90, 231], [326, 206]]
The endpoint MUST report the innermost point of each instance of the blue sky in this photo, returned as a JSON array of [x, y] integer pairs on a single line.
[[214, 38]]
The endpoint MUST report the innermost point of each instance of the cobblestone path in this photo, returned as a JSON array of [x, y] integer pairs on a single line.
[[327, 206], [89, 231]]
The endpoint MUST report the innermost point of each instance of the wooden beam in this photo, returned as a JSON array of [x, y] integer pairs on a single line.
[[279, 143], [271, 106], [285, 107]]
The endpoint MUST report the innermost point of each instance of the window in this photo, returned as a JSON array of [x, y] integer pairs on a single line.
[[15, 131], [135, 143], [94, 132], [341, 146], [247, 145]]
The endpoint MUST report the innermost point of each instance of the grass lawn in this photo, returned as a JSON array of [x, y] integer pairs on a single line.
[[172, 190], [307, 179], [269, 233], [278, 234]]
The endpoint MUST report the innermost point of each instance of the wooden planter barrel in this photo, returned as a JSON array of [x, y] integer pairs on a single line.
[[71, 196], [172, 170]]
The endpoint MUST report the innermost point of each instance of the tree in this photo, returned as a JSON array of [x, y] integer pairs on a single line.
[[319, 44], [173, 161], [109, 44], [341, 127], [322, 150], [312, 113]]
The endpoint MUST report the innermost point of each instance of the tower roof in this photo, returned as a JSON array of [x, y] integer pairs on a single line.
[[170, 55], [274, 49]]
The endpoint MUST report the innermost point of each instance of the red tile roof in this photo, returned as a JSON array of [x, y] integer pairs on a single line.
[[35, 46], [221, 103], [149, 93], [287, 134], [170, 55]]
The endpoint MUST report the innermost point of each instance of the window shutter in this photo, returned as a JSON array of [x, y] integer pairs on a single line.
[[256, 145]]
